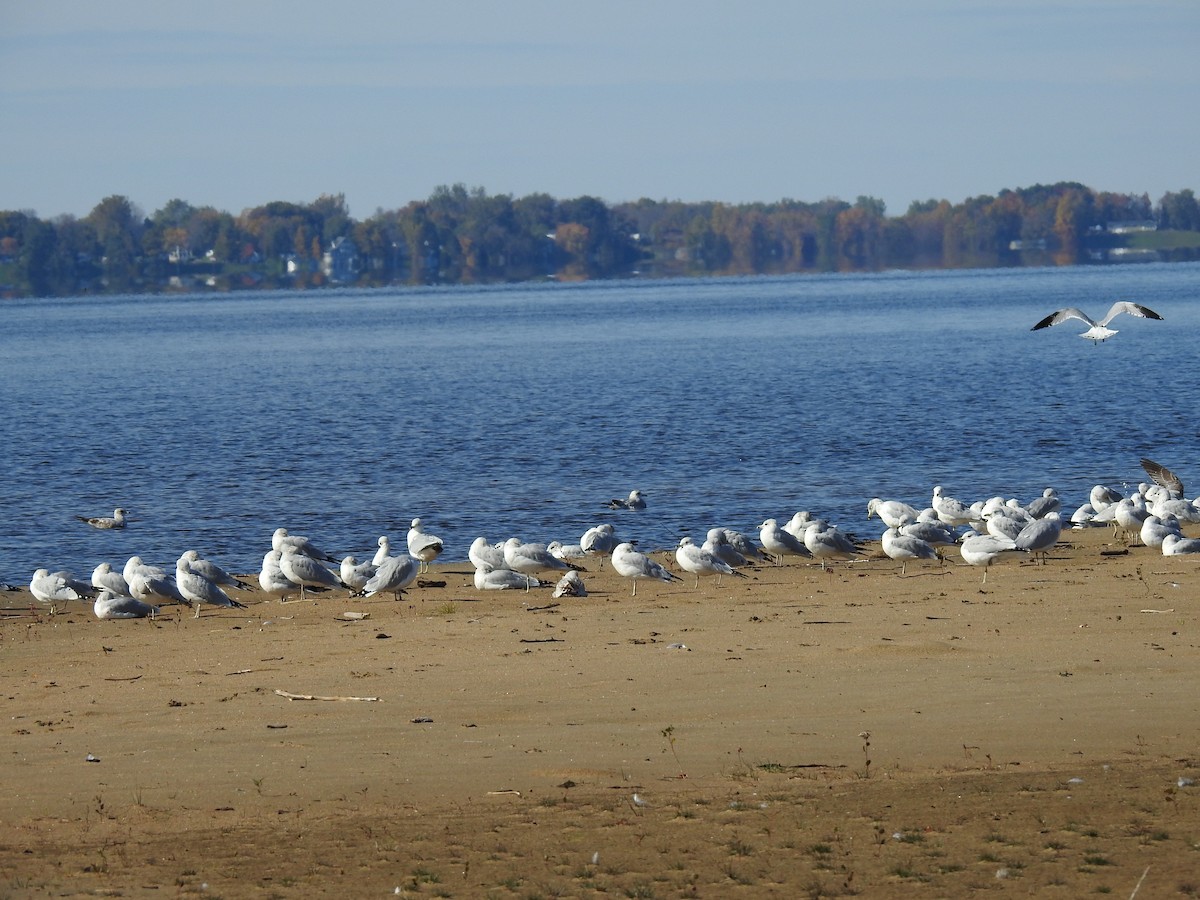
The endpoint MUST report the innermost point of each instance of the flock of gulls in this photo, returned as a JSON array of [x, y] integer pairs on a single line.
[[1154, 514]]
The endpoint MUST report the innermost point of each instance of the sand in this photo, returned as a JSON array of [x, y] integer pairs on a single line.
[[794, 733]]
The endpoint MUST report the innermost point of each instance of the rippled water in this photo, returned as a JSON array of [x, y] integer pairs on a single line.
[[520, 410]]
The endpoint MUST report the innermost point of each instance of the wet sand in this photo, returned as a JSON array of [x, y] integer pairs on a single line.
[[817, 734]]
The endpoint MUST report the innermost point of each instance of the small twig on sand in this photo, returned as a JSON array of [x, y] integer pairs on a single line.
[[315, 697], [1139, 884]]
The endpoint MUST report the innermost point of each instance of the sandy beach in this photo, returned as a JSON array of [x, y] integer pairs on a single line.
[[793, 733]]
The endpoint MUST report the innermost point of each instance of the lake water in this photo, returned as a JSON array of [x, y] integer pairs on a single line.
[[520, 410]]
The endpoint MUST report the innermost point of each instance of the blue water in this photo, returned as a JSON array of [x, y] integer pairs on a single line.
[[520, 410]]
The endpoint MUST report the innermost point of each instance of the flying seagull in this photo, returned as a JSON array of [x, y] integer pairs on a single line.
[[1097, 331]]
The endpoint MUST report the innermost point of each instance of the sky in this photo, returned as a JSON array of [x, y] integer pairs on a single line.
[[235, 104]]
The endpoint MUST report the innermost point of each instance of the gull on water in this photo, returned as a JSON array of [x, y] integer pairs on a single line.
[[631, 564], [701, 562], [395, 574], [1097, 331], [635, 500], [113, 606], [198, 590], [116, 520], [423, 547]]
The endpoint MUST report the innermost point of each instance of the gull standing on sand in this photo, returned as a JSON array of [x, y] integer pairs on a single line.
[[384, 551], [423, 547], [483, 554], [905, 547], [355, 574], [599, 540], [780, 543], [530, 559], [396, 573], [1047, 503], [829, 542], [635, 500], [281, 541], [104, 523], [1040, 535], [213, 572], [981, 549], [105, 579], [57, 587], [1097, 331], [198, 590], [271, 578], [717, 543], [701, 562], [306, 572], [633, 565], [567, 552], [951, 511], [891, 512], [113, 606], [154, 589]]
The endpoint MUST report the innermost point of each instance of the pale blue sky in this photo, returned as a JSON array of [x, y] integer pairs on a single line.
[[236, 104]]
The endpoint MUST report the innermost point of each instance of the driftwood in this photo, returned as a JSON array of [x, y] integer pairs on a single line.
[[315, 697]]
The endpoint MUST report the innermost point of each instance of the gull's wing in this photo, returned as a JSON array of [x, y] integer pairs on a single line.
[[1063, 315], [1134, 309], [1162, 475]]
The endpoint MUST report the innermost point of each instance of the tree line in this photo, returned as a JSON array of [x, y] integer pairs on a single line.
[[461, 235]]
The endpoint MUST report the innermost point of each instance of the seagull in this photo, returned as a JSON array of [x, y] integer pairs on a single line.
[[423, 547], [905, 547], [111, 606], [395, 574], [306, 571], [1162, 475], [530, 559], [565, 551], [489, 579], [701, 562], [828, 542], [355, 574], [891, 511], [281, 540], [570, 585], [633, 565], [1040, 535], [135, 566], [780, 543], [1097, 331], [717, 543], [116, 520], [198, 590], [272, 580], [981, 549], [481, 554], [154, 589], [213, 572], [599, 540], [1174, 545], [635, 500], [951, 511], [51, 588], [1048, 502], [105, 579], [384, 551]]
